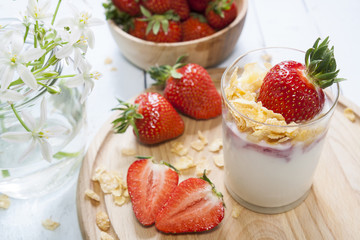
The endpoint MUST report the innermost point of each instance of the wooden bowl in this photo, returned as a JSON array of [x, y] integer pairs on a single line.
[[207, 51]]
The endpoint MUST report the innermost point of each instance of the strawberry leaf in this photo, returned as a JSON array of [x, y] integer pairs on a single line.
[[165, 25], [156, 27]]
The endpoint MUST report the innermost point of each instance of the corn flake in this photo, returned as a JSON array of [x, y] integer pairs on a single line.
[[98, 172], [219, 160], [201, 166], [102, 221], [105, 236], [119, 200], [349, 114], [92, 195], [236, 211], [202, 137], [108, 61], [179, 149], [198, 145], [4, 201], [50, 224], [216, 145], [184, 162], [128, 151]]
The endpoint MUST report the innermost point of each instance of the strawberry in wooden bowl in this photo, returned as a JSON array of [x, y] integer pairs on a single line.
[[217, 42]]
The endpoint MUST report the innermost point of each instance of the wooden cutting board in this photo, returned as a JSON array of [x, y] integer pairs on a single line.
[[331, 211]]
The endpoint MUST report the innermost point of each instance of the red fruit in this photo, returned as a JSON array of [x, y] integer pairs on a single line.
[[194, 28], [220, 13], [170, 34], [157, 6], [154, 119], [198, 5], [294, 90], [131, 7], [194, 206], [138, 28], [149, 185], [181, 8], [189, 89]]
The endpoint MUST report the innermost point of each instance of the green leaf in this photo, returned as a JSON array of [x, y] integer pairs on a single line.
[[5, 173]]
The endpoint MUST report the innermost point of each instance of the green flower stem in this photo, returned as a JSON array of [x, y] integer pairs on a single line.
[[56, 11], [63, 76], [19, 118], [26, 33], [5, 173], [36, 26]]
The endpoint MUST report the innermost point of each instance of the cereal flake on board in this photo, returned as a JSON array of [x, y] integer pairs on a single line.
[[198, 145], [179, 149], [219, 160], [102, 221], [105, 236], [236, 211], [349, 114], [128, 151], [216, 145], [202, 165], [184, 162], [92, 195]]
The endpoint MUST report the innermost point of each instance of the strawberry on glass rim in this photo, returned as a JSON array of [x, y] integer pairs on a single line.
[[295, 90]]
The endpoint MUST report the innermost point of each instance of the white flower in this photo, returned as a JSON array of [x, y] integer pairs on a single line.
[[10, 95], [38, 135], [80, 24], [85, 77], [13, 60], [37, 11], [73, 45]]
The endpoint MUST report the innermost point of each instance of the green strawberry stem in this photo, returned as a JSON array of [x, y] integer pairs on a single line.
[[219, 6], [218, 194], [170, 166], [127, 117], [321, 64], [162, 73], [158, 21]]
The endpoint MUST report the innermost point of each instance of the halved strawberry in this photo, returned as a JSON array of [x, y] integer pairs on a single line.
[[152, 117], [150, 185], [295, 90], [194, 206]]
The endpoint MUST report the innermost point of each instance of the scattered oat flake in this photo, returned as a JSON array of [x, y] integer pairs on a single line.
[[349, 114], [202, 137], [198, 145], [108, 60], [216, 145], [184, 162], [102, 221], [105, 236], [128, 151], [179, 149], [236, 211], [50, 224], [219, 160], [201, 166], [113, 69], [4, 201], [92, 195]]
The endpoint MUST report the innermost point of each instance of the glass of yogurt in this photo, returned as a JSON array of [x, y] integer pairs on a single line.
[[269, 164]]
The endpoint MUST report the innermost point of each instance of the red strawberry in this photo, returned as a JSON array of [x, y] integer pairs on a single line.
[[157, 6], [162, 28], [221, 13], [189, 89], [198, 5], [131, 7], [153, 118], [194, 206], [195, 27], [181, 8], [295, 90], [138, 28], [149, 185]]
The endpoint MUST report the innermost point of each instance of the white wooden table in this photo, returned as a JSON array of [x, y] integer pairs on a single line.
[[290, 23]]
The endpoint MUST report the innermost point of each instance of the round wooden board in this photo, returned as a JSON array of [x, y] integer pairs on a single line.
[[331, 211]]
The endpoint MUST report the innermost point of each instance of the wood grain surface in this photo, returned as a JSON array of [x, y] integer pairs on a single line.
[[331, 211]]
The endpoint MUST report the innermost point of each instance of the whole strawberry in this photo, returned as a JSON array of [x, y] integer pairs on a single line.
[[189, 89], [150, 185], [198, 5], [195, 27], [138, 28], [152, 117], [162, 28], [157, 6], [220, 13], [131, 7], [193, 206], [181, 8], [295, 90]]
